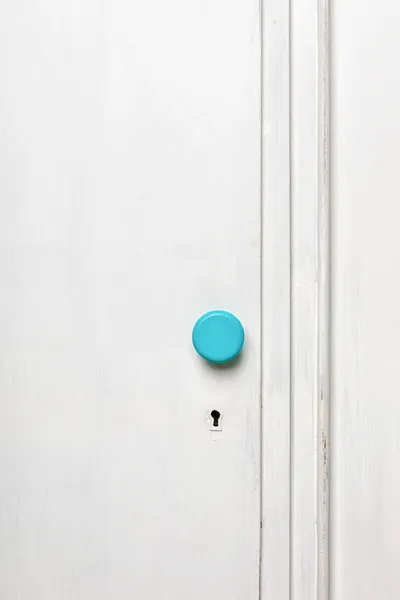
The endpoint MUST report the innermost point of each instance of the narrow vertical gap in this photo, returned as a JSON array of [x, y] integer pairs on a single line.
[[290, 242], [261, 413]]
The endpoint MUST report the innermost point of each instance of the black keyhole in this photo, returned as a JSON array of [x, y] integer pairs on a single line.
[[215, 415]]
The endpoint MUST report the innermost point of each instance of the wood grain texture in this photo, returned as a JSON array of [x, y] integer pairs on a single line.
[[324, 303], [275, 567], [365, 300], [129, 205]]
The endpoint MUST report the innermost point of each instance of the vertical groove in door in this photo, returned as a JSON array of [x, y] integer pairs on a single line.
[[323, 295], [261, 441]]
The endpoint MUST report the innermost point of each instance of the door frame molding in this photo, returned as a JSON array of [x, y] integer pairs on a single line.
[[295, 300], [324, 287], [275, 301]]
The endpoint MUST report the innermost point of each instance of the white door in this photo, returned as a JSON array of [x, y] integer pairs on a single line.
[[153, 168], [130, 205]]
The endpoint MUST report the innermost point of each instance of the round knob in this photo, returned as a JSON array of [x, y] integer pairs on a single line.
[[218, 336]]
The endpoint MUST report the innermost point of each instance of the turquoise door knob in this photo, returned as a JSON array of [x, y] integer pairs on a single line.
[[218, 336]]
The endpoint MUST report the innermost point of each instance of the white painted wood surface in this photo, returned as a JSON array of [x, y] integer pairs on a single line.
[[310, 300], [323, 301], [366, 300], [129, 205], [304, 266], [122, 131], [275, 556]]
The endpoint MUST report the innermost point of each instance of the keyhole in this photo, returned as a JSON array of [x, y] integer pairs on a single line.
[[215, 415]]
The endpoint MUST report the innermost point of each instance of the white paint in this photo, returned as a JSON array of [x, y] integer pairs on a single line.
[[304, 261], [310, 331], [323, 304], [275, 565], [365, 300], [130, 204], [122, 131]]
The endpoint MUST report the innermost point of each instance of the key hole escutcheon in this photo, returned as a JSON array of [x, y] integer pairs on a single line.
[[216, 416]]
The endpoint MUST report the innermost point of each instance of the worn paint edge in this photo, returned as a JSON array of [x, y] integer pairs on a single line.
[[323, 303]]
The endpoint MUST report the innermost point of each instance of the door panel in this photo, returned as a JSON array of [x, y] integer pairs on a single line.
[[365, 301], [130, 205]]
